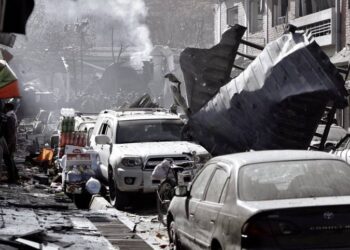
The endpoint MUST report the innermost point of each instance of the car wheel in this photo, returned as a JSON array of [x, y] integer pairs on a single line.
[[173, 238], [117, 198], [165, 193], [82, 201], [216, 246]]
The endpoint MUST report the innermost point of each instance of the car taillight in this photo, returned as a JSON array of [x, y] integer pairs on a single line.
[[251, 229], [257, 234]]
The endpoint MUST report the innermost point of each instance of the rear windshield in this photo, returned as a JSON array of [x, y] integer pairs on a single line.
[[149, 130], [294, 179]]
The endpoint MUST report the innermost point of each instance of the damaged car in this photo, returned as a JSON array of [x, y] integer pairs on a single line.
[[283, 199]]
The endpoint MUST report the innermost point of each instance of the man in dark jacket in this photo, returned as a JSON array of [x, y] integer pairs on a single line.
[[9, 131]]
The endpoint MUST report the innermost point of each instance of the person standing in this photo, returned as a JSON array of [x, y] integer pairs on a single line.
[[9, 131]]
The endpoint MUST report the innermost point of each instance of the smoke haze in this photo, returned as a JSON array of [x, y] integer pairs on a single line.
[[126, 15]]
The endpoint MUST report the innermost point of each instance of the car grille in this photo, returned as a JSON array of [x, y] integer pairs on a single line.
[[178, 160]]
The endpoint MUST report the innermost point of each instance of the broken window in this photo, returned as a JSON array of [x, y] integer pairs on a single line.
[[232, 16], [279, 12], [307, 7], [256, 15]]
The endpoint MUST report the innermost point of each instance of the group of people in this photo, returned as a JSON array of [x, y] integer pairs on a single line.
[[8, 140]]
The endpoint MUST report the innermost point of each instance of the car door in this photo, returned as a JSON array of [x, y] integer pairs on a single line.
[[104, 150], [207, 211], [185, 218]]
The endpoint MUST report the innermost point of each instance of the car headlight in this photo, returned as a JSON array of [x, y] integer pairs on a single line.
[[132, 161], [203, 158]]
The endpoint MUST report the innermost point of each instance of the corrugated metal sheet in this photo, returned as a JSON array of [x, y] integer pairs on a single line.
[[276, 103], [206, 70]]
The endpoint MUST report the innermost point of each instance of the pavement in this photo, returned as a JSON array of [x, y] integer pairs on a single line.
[[35, 219], [37, 215], [143, 227]]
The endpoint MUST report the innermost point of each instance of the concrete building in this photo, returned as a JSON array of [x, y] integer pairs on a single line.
[[265, 19], [327, 20]]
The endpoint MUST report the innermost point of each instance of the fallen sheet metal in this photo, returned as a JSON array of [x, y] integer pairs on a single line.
[[275, 103], [206, 70]]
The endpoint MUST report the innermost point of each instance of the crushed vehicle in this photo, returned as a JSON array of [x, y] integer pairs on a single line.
[[277, 102], [131, 142], [277, 199], [335, 134]]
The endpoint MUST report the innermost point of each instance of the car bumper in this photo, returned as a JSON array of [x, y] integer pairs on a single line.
[[134, 180]]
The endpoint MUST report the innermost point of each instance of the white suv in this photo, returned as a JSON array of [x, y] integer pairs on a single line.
[[130, 143]]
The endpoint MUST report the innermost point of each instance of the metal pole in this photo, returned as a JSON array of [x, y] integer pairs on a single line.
[[81, 60], [338, 26]]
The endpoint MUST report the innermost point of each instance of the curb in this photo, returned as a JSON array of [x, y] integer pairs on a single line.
[[100, 204]]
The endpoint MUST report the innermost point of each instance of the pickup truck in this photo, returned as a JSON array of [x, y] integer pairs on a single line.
[[130, 143]]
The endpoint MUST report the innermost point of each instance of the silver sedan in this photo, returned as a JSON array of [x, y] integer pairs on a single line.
[[264, 200]]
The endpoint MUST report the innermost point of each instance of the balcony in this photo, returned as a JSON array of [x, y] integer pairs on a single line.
[[321, 24]]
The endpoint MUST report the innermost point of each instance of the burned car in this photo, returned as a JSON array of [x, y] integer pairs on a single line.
[[264, 200]]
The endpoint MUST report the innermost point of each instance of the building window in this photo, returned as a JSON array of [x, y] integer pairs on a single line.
[[232, 16], [256, 12], [307, 7], [279, 12]]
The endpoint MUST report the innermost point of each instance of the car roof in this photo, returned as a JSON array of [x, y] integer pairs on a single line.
[[241, 159], [140, 114]]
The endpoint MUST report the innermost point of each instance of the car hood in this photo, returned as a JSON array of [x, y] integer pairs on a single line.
[[146, 149], [259, 206]]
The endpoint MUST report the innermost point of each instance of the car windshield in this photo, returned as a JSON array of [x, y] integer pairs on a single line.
[[149, 130], [294, 179], [335, 133]]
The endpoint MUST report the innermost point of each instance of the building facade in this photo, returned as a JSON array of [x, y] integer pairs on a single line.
[[327, 20]]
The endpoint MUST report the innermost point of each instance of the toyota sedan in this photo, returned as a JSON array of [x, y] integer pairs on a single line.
[[264, 200]]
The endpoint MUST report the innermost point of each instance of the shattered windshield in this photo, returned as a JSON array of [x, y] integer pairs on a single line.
[[149, 131], [294, 179]]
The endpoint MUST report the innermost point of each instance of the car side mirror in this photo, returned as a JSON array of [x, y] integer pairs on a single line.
[[102, 140], [181, 191]]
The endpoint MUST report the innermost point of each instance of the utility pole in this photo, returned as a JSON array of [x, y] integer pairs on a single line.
[[81, 59], [113, 56], [80, 28]]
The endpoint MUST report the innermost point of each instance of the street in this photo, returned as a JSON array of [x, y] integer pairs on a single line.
[[174, 124]]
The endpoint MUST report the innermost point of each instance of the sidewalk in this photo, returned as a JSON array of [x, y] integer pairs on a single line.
[[32, 218]]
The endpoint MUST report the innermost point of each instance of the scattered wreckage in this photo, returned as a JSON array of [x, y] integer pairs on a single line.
[[277, 102]]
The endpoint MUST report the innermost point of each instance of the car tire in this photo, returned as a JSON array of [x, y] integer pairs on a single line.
[[165, 192], [173, 237], [117, 198], [216, 247], [82, 201]]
